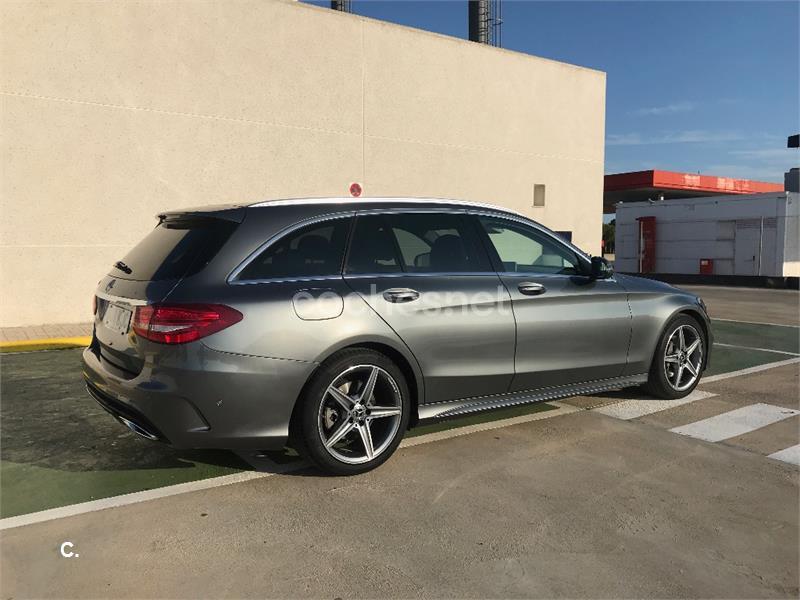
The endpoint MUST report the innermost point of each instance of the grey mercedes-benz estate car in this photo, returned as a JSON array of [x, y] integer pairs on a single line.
[[334, 325]]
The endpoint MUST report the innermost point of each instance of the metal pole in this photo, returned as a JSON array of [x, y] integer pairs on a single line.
[[341, 5], [497, 31], [641, 246], [760, 245], [479, 21]]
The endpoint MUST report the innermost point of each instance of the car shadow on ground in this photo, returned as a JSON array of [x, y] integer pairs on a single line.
[[48, 420]]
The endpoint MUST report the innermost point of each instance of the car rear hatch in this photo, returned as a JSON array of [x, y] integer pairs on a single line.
[[181, 245]]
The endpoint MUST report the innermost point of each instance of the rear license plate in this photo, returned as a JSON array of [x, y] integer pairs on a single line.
[[117, 319]]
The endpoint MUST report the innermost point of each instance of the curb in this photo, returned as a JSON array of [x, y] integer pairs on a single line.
[[45, 344]]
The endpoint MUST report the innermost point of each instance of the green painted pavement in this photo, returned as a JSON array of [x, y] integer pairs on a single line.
[[725, 360], [786, 339], [31, 488], [60, 447]]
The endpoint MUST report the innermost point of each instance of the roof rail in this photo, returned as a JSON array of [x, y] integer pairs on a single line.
[[378, 200]]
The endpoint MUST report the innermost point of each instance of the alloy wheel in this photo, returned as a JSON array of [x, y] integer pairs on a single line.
[[683, 357], [360, 414]]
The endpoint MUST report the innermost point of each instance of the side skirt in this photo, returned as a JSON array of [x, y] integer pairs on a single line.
[[452, 408]]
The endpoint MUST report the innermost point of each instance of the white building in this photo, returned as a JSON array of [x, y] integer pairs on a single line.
[[738, 235], [115, 111]]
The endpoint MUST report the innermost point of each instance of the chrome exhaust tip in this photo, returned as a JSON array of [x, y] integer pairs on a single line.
[[138, 429]]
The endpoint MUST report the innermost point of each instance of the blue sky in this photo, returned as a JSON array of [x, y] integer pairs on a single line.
[[693, 86]]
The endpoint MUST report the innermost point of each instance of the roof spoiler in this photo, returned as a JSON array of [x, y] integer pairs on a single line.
[[224, 212]]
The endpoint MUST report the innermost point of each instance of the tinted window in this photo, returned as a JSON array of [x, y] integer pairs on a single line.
[[438, 243], [373, 248], [523, 249], [175, 249], [312, 251], [416, 243]]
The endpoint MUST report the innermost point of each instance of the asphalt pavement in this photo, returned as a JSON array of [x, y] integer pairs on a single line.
[[581, 505]]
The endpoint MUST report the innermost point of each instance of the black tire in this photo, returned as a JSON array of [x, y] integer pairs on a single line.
[[658, 384], [316, 404]]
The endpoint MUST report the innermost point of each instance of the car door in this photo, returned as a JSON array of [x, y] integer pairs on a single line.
[[428, 276], [570, 328]]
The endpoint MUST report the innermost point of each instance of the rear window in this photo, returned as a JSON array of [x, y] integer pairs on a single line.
[[312, 251], [175, 249]]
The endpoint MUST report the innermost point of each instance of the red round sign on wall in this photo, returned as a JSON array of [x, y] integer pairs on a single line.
[[355, 190]]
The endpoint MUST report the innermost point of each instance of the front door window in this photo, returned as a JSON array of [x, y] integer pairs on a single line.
[[523, 249]]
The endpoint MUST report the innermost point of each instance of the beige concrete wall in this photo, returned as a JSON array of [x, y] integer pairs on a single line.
[[112, 112]]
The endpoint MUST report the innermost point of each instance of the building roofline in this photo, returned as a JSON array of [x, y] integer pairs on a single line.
[[452, 38], [673, 180]]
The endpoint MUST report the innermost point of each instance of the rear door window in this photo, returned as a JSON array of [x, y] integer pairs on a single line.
[[312, 251], [176, 248], [424, 242], [438, 243]]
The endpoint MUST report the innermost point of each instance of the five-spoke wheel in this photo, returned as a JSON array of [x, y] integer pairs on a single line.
[[679, 359], [683, 358], [354, 412], [360, 414]]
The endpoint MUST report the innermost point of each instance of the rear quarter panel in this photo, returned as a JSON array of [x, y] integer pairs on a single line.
[[272, 327]]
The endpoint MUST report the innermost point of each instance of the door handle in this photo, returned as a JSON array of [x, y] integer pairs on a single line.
[[531, 289], [398, 295]]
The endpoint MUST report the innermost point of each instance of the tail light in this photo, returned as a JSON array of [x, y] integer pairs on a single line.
[[182, 323]]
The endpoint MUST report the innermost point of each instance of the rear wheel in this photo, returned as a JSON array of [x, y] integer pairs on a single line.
[[354, 412], [679, 359]]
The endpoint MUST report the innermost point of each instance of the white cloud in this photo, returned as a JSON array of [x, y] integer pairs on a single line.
[[624, 139], [675, 137], [768, 153], [768, 163], [669, 109]]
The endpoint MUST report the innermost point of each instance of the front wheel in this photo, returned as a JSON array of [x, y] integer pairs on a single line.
[[354, 412], [679, 359]]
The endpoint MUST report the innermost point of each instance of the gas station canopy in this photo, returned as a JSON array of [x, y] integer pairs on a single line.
[[654, 185]]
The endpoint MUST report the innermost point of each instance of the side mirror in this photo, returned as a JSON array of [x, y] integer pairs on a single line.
[[601, 268]]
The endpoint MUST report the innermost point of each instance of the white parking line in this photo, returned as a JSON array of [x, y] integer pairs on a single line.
[[755, 322], [749, 370], [759, 349], [125, 499], [736, 422], [635, 408], [790, 455]]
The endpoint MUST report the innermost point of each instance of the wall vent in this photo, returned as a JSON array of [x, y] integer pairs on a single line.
[[538, 194]]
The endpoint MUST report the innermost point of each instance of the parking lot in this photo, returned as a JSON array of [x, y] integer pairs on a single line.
[[611, 495]]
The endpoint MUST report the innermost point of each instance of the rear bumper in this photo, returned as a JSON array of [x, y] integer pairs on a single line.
[[196, 397], [127, 415]]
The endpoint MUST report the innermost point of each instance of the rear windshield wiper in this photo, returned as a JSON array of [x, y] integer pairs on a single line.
[[123, 267]]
